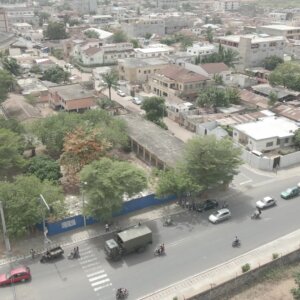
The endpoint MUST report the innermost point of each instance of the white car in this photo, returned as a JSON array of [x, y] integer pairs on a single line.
[[220, 215], [121, 93], [136, 101], [265, 202]]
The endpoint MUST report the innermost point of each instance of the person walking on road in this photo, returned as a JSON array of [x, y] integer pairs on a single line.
[[106, 227]]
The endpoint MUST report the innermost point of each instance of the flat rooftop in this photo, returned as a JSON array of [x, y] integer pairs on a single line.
[[280, 27], [159, 142], [268, 127], [254, 38], [71, 92], [143, 62]]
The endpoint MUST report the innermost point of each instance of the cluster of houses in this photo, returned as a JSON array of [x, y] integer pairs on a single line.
[[148, 63]]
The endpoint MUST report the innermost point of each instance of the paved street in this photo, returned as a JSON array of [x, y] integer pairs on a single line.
[[192, 245]]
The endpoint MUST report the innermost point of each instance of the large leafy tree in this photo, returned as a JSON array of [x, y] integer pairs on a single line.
[[56, 74], [22, 206], [55, 31], [92, 34], [12, 125], [6, 84], [111, 80], [44, 168], [119, 37], [210, 162], [11, 146], [107, 183], [11, 65], [155, 108], [271, 62], [286, 74]]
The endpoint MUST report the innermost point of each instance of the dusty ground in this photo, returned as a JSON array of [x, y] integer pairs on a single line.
[[276, 285]]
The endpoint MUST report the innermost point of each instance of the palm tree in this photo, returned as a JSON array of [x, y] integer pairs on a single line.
[[111, 80]]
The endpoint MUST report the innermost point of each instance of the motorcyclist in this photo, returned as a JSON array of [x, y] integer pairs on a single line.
[[236, 240], [162, 248], [121, 292]]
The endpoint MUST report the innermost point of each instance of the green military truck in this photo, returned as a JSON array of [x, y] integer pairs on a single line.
[[134, 239]]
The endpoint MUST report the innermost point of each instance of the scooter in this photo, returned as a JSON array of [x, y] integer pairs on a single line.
[[255, 216], [122, 293], [159, 251], [73, 255], [168, 222], [236, 243]]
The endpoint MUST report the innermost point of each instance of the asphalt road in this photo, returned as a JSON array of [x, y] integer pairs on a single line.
[[192, 245]]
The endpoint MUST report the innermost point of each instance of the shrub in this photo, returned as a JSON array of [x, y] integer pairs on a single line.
[[246, 268], [275, 256]]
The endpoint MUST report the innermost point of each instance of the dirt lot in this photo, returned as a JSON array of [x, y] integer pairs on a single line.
[[275, 285]]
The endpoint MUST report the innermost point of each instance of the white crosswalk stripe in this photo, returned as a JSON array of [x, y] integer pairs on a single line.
[[94, 271]]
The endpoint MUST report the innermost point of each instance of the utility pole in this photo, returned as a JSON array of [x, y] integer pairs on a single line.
[[43, 201], [83, 184], [5, 235]]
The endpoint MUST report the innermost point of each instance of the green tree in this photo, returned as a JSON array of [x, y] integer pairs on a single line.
[[233, 95], [209, 35], [148, 35], [218, 79], [111, 80], [273, 98], [211, 162], [11, 65], [43, 17], [92, 34], [107, 183], [13, 125], [296, 291], [55, 31], [155, 108], [271, 62], [6, 84], [56, 74], [228, 32], [212, 97], [135, 43], [297, 138], [22, 207], [44, 168], [230, 57], [286, 74], [11, 147], [36, 69], [119, 37]]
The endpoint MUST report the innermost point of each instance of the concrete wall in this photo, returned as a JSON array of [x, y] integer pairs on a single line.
[[290, 159], [261, 163], [226, 290]]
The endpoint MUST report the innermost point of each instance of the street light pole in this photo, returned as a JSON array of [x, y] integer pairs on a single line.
[[5, 235], [46, 240], [82, 194]]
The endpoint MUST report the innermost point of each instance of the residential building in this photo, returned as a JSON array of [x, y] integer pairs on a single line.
[[265, 134], [16, 14], [6, 39], [101, 19], [278, 16], [153, 50], [106, 54], [142, 27], [201, 49], [176, 23], [178, 81], [71, 97], [136, 70], [290, 32], [21, 28], [227, 5], [253, 49], [84, 6], [102, 34], [166, 4], [3, 21], [212, 69]]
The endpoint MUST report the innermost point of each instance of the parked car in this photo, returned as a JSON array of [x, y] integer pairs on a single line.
[[15, 275], [266, 202], [136, 101], [290, 193], [207, 204], [220, 215], [121, 93]]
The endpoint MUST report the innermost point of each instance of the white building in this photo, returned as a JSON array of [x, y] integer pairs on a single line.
[[21, 28], [290, 32], [266, 134], [84, 6], [201, 49], [227, 5], [153, 50], [165, 4], [253, 49], [3, 21], [102, 34]]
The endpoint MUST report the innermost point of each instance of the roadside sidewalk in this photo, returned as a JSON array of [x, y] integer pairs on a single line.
[[204, 281], [21, 248]]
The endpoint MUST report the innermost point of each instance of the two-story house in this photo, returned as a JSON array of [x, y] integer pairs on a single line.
[[178, 81]]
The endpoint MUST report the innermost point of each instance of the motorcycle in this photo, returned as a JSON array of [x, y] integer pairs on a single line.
[[122, 293], [73, 255], [159, 251], [255, 216], [236, 243], [168, 222]]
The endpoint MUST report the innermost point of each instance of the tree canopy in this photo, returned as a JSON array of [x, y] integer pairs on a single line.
[[111, 80], [107, 183], [91, 34], [271, 62], [286, 74], [44, 168], [22, 207], [11, 65], [119, 37], [155, 109], [11, 146], [56, 74], [6, 84], [55, 31]]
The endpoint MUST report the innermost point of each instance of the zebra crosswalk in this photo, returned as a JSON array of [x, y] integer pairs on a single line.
[[93, 270]]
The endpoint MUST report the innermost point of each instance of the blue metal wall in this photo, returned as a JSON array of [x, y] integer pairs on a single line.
[[128, 207]]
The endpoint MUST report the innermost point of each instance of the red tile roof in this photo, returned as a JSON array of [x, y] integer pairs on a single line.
[[181, 74], [214, 68], [91, 51]]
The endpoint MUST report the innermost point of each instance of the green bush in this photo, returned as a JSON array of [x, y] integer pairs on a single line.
[[275, 256], [246, 268]]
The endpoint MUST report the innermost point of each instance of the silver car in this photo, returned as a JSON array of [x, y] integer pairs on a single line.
[[220, 215], [266, 202]]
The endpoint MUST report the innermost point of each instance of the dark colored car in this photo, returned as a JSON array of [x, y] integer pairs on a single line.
[[207, 205], [15, 275], [290, 193]]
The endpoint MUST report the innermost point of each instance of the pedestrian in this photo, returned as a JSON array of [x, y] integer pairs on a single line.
[[139, 224], [106, 227], [32, 252], [259, 211]]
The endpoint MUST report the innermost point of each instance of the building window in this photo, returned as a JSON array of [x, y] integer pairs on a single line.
[[286, 140], [278, 142], [269, 144]]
